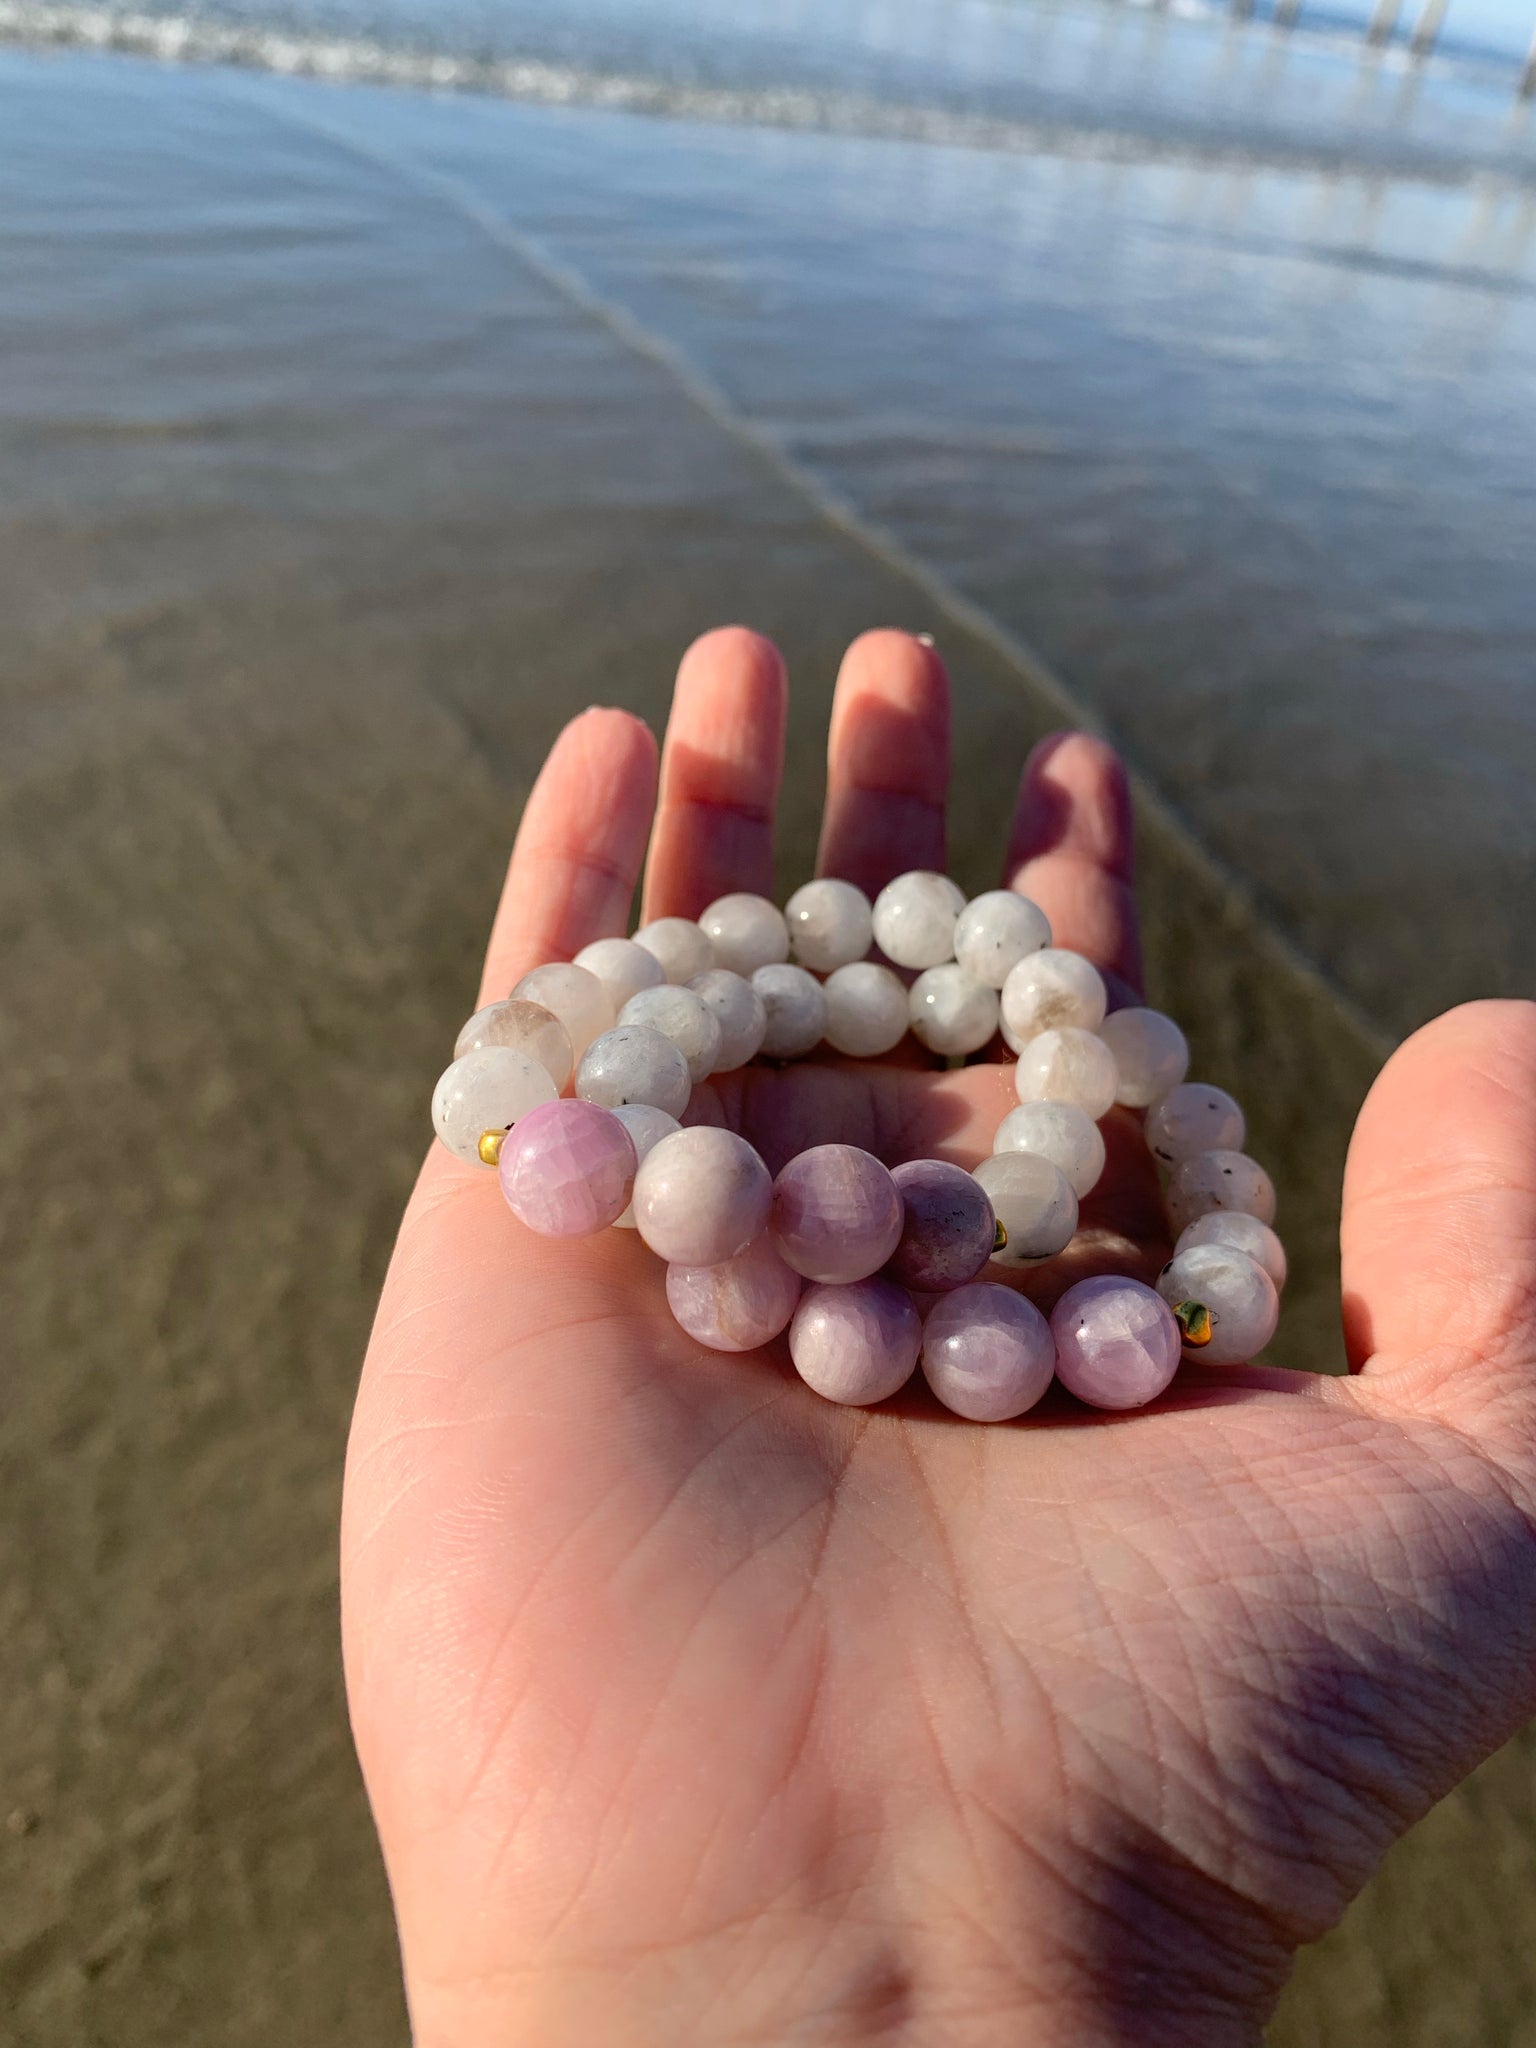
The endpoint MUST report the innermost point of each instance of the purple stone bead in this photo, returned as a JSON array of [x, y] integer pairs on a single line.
[[836, 1214], [1117, 1344], [566, 1168], [947, 1230], [739, 1304], [987, 1352], [856, 1344]]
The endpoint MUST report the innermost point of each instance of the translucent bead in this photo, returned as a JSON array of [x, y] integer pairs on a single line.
[[632, 1063], [1033, 1201], [738, 1009], [567, 1169], [947, 1226], [522, 1027], [856, 1344], [866, 1010], [836, 1213], [646, 1127], [576, 997], [738, 1304], [830, 924], [701, 1196], [678, 1014], [915, 919], [996, 931], [1236, 1291], [622, 967], [951, 1011], [987, 1352], [746, 932], [486, 1090], [681, 947], [1244, 1233], [1117, 1344], [1194, 1118], [1151, 1054], [1052, 990], [1219, 1180], [1060, 1132], [797, 1011], [1068, 1066]]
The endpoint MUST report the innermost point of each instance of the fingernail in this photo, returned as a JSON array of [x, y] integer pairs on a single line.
[[925, 639]]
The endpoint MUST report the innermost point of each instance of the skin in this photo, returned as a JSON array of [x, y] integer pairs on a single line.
[[695, 1709]]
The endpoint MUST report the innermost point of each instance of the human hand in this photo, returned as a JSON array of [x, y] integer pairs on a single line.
[[696, 1709]]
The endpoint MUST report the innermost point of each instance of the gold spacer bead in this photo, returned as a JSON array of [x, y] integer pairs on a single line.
[[1197, 1323], [1000, 1236], [491, 1143]]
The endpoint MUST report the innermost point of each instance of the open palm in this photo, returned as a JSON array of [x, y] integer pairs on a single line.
[[695, 1709]]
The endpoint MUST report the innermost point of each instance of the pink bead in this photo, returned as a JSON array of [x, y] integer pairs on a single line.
[[566, 1168], [856, 1344], [836, 1214], [948, 1229], [987, 1352], [701, 1195], [1117, 1344], [737, 1305]]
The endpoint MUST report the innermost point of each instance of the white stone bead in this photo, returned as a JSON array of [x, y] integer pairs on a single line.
[[915, 919], [1219, 1180], [702, 1195], [738, 1009], [1052, 990], [1060, 1132], [796, 1007], [486, 1090], [622, 967], [525, 1027], [830, 924], [647, 1127], [678, 1014], [1244, 1233], [866, 1010], [1151, 1054], [633, 1063], [996, 931], [747, 932], [575, 996], [1033, 1202], [679, 944], [1193, 1118], [1239, 1294], [1070, 1065], [951, 1011]]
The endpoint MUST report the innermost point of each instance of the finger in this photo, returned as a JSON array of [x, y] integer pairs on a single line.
[[1072, 850], [579, 847], [720, 770], [887, 762]]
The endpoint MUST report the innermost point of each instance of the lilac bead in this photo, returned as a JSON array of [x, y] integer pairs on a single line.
[[987, 1352], [701, 1196], [947, 1227], [566, 1168], [1117, 1344], [856, 1344], [836, 1214], [737, 1305]]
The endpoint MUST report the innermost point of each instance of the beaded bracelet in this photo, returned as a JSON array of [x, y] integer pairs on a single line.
[[639, 1022]]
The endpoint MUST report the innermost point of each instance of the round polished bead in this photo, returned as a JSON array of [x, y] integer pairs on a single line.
[[746, 932], [567, 1169], [987, 1352], [487, 1090], [622, 967], [947, 1227], [915, 919], [836, 1213], [1194, 1117], [738, 1009], [1052, 990], [678, 943], [1117, 1344], [1034, 1203], [701, 1196], [522, 1027], [951, 1011], [632, 1063], [1060, 1132], [866, 1010], [1069, 1065], [996, 931], [796, 1011], [1219, 1180], [1151, 1055], [1237, 1293], [830, 924], [646, 1127], [679, 1014], [856, 1344], [737, 1304], [1244, 1233], [575, 996]]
